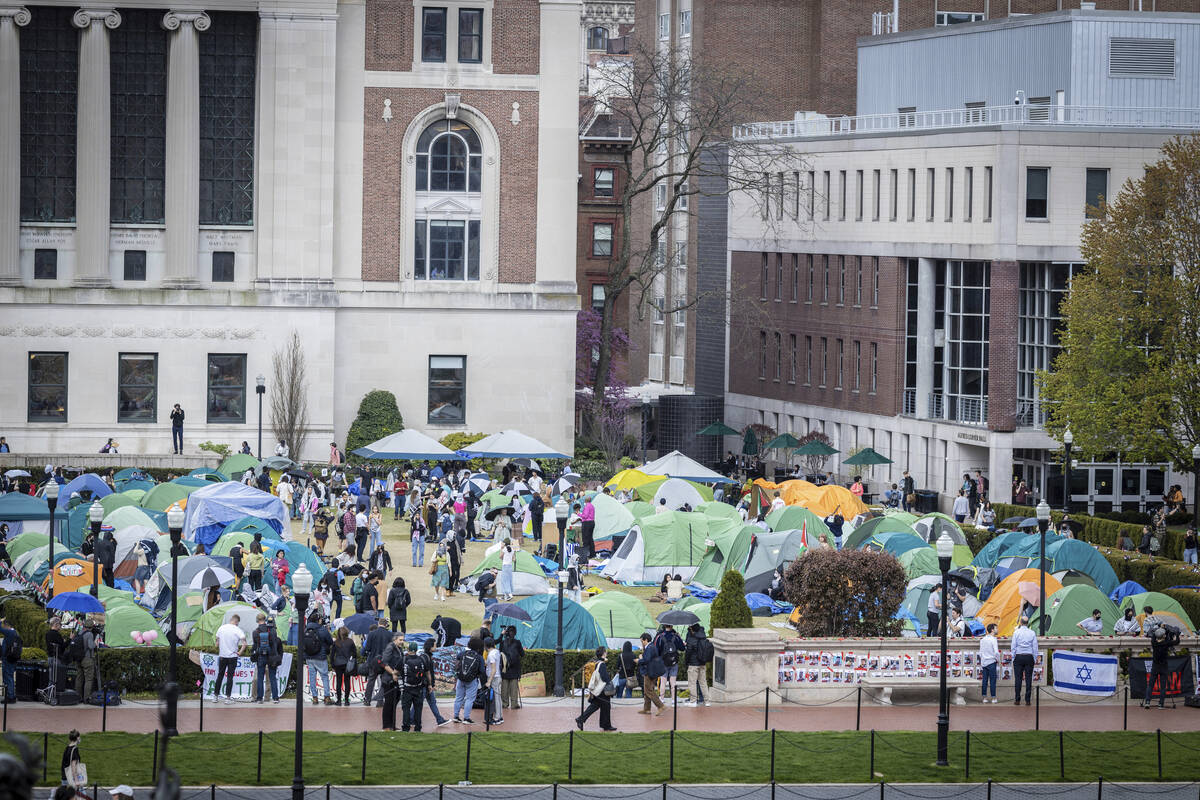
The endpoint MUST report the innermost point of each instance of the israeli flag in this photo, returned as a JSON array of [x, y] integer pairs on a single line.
[[1084, 673]]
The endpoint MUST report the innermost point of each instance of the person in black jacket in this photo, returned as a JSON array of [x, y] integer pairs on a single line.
[[106, 554], [317, 658], [267, 652], [380, 561], [392, 660], [56, 652], [177, 429], [374, 643], [415, 682], [537, 509], [510, 674], [1162, 639], [430, 695], [697, 654], [651, 668], [454, 559], [597, 699], [627, 671], [447, 630], [398, 601]]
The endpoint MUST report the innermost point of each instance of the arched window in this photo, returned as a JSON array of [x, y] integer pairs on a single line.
[[597, 38], [448, 203]]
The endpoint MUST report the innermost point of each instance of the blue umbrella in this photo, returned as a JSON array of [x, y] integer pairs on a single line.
[[359, 623], [76, 601]]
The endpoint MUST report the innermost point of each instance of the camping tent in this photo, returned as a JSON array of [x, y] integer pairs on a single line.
[[1118, 594], [235, 465], [1082, 557], [640, 508], [117, 499], [919, 561], [717, 509], [210, 509], [25, 513], [997, 548], [528, 577], [889, 523], [230, 538], [1166, 608], [1004, 605], [121, 619], [798, 518], [612, 520], [649, 492], [207, 474], [1072, 604], [132, 515], [821, 500], [677, 493], [729, 550], [22, 543], [162, 496], [71, 574], [620, 615], [89, 484], [580, 630], [670, 543], [205, 631], [895, 543], [931, 526], [769, 551], [676, 465]]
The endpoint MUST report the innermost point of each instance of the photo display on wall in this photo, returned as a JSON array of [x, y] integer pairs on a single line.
[[834, 666]]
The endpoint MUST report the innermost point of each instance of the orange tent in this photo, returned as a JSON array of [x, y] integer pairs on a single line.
[[1003, 606], [69, 575], [821, 500]]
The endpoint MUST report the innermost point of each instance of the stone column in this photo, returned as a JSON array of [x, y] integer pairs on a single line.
[[182, 200], [93, 154], [926, 308], [10, 144]]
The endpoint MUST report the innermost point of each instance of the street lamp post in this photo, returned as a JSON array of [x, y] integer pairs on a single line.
[[171, 690], [1196, 485], [96, 516], [1043, 519], [1068, 440], [52, 501], [558, 649], [302, 581], [945, 551], [562, 509], [260, 388]]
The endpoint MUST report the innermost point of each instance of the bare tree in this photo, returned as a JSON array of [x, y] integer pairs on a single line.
[[289, 400], [677, 110]]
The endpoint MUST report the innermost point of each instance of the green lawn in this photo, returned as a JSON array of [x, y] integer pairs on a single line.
[[203, 758]]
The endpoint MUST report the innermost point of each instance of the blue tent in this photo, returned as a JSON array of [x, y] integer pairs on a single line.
[[994, 550], [212, 507], [210, 475], [1082, 557], [192, 480], [580, 629], [88, 482], [1125, 590]]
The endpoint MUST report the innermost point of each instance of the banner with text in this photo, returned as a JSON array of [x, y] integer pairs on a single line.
[[1180, 681], [243, 676]]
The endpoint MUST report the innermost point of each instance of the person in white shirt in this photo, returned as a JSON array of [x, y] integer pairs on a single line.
[[1024, 649], [1092, 626], [231, 641], [285, 492], [281, 449], [962, 507], [989, 661], [661, 508], [958, 625], [535, 483], [1127, 625], [777, 502]]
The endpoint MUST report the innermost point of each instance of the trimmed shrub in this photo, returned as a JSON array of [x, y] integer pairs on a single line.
[[1189, 599], [729, 608], [846, 592], [378, 416]]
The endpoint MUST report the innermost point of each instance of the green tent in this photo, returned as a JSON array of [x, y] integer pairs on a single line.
[[1160, 603], [228, 540], [674, 538], [998, 548], [22, 543], [919, 561], [794, 518], [233, 467], [889, 523], [719, 510], [121, 619], [496, 499], [727, 552], [1071, 604], [205, 631], [580, 630], [698, 607], [107, 595], [252, 525], [133, 486], [639, 508], [161, 497], [163, 540], [528, 577], [612, 519], [647, 491], [129, 515], [112, 502], [896, 543], [932, 526], [620, 615], [208, 474]]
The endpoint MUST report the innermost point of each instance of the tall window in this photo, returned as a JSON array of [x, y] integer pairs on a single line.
[[807, 360], [602, 239], [778, 277], [447, 388], [792, 351], [893, 208], [842, 194], [778, 356], [968, 296], [764, 278], [841, 280], [135, 265], [602, 182], [987, 194], [968, 193], [795, 277], [664, 26], [598, 297], [912, 195], [827, 185], [597, 38], [808, 297], [226, 387], [1037, 192], [762, 355], [47, 387], [930, 177], [825, 286], [949, 194], [812, 195], [433, 35], [1042, 287], [449, 161], [841, 358], [874, 367], [857, 365], [470, 35], [876, 188], [228, 59], [1096, 191], [45, 264], [874, 281], [824, 361], [858, 192], [685, 22], [49, 74], [137, 387], [138, 54], [858, 280], [222, 266]]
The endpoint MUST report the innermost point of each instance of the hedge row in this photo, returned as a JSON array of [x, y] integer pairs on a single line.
[[1101, 531]]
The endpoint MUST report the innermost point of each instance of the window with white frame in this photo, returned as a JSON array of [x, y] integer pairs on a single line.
[[660, 197], [944, 18], [602, 239], [598, 296], [664, 26], [603, 179], [446, 240], [433, 35], [470, 35], [685, 22], [597, 38]]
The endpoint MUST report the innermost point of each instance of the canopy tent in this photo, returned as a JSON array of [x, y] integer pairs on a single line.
[[649, 491], [932, 526], [629, 479], [676, 465], [620, 615], [1004, 605], [1166, 608], [612, 520], [1072, 604], [205, 630], [1073, 554], [528, 577], [784, 441], [799, 518], [718, 429], [122, 619], [25, 513], [729, 550], [235, 465], [164, 495], [821, 500], [407, 444], [677, 493], [669, 543], [89, 485], [1116, 595], [580, 630], [888, 523], [208, 474], [510, 444], [212, 508], [769, 551]]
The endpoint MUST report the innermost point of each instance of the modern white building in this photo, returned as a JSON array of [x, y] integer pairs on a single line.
[[185, 186], [911, 265]]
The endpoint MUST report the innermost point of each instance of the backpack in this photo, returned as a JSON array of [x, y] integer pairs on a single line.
[[262, 645], [356, 589], [414, 671], [312, 646], [75, 650], [13, 647], [469, 665], [705, 650], [669, 651]]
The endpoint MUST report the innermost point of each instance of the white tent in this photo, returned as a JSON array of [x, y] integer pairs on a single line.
[[628, 564], [406, 444], [677, 465], [677, 492], [511, 444]]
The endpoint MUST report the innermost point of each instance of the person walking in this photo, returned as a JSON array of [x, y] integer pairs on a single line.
[[415, 682], [627, 671], [670, 648], [418, 538], [308, 510], [398, 601], [391, 662], [177, 430], [440, 569], [361, 530], [317, 644], [374, 643], [598, 688], [989, 662], [375, 526], [430, 694], [467, 669], [267, 651], [231, 641], [1023, 650], [650, 668], [381, 561], [513, 652], [342, 657], [71, 758], [698, 652]]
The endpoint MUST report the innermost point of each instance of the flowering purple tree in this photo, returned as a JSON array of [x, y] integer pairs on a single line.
[[602, 424]]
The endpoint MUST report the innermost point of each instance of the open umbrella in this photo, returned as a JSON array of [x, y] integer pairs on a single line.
[[479, 483], [1030, 592], [1028, 522], [527, 463], [815, 447], [866, 457], [718, 429], [674, 616], [1012, 520], [17, 473], [750, 443], [511, 610], [278, 463], [76, 601], [784, 441], [359, 623], [565, 483], [515, 487], [209, 577]]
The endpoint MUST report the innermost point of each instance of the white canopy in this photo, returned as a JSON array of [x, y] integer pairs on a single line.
[[408, 443], [677, 465], [511, 444]]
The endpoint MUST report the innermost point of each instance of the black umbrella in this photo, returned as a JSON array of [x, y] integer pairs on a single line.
[[1030, 522], [527, 463], [1074, 525], [359, 623], [1012, 520], [676, 617], [296, 472], [510, 610]]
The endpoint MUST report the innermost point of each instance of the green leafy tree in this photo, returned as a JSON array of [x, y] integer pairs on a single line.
[[846, 592], [729, 609], [1128, 377], [378, 416]]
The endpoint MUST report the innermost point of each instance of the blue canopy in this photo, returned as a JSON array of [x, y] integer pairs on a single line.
[[212, 507], [1125, 590], [88, 482]]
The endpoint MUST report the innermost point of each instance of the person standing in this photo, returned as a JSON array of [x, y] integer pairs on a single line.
[[56, 653], [398, 601], [231, 641], [85, 654], [908, 492], [467, 669], [1189, 545], [374, 643], [989, 662], [70, 758], [375, 526], [933, 612], [598, 699], [370, 601], [430, 695], [286, 493], [513, 652], [1161, 642], [1127, 625], [317, 644], [391, 662], [587, 517], [11, 654], [627, 671], [1024, 650], [698, 651], [177, 430], [670, 647], [399, 496], [506, 571], [537, 511], [268, 654], [1093, 625], [256, 565], [493, 715], [341, 657], [418, 538], [651, 668], [962, 507], [415, 681]]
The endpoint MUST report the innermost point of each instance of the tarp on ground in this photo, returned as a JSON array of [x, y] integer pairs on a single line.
[[821, 500], [528, 577], [726, 552], [931, 526], [89, 485], [1003, 606], [771, 550], [676, 465], [1162, 605], [889, 523], [798, 518], [212, 508], [612, 519], [580, 629], [1082, 557], [1067, 607], [620, 615]]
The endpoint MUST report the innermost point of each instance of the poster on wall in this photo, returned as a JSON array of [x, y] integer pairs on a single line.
[[1180, 678], [831, 666]]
